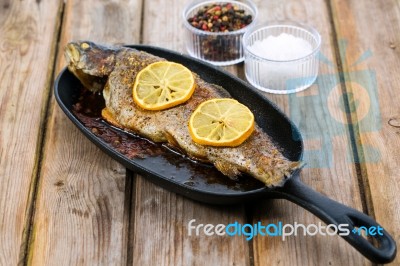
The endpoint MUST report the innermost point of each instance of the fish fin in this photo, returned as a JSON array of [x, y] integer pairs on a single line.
[[174, 145], [172, 141], [91, 83], [107, 115], [227, 169]]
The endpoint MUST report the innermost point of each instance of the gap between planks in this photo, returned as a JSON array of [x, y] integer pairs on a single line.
[[45, 113], [129, 205], [353, 128], [142, 13]]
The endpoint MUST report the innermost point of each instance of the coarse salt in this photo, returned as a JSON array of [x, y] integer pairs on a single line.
[[281, 48]]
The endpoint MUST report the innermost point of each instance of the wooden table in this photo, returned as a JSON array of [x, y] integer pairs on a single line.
[[64, 202]]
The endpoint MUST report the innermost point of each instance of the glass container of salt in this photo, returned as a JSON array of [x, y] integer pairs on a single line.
[[281, 58]]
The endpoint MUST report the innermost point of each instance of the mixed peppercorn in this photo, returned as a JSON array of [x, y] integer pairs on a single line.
[[220, 18]]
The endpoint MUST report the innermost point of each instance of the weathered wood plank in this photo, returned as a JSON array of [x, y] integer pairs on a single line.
[[81, 214], [160, 233], [27, 46], [371, 61], [327, 153], [160, 218]]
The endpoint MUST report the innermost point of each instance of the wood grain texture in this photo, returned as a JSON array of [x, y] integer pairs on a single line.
[[164, 30], [328, 153], [28, 32], [81, 214], [86, 211], [159, 233], [372, 28]]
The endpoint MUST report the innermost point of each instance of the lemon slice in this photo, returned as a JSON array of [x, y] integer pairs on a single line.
[[162, 85], [221, 122]]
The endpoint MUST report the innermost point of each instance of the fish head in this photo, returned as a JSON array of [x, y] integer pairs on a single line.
[[91, 63]]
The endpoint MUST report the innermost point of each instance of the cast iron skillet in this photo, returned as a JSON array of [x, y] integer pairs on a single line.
[[176, 175]]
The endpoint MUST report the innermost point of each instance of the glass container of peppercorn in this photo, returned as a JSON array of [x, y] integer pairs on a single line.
[[214, 29]]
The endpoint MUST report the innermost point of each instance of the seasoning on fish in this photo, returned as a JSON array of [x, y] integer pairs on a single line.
[[114, 69]]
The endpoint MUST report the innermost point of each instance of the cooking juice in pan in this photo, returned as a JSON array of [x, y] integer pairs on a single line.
[[177, 166]]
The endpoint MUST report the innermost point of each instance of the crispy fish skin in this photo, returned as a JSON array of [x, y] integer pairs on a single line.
[[115, 70]]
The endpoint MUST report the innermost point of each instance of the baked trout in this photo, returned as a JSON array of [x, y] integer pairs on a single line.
[[113, 70]]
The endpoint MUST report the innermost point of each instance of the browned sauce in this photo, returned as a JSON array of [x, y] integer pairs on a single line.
[[157, 157]]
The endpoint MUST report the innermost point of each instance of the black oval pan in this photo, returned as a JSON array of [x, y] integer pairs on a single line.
[[176, 174]]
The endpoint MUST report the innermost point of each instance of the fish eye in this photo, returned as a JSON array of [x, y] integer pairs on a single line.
[[84, 45]]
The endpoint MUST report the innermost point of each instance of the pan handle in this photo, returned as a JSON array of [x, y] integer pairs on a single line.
[[332, 212]]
